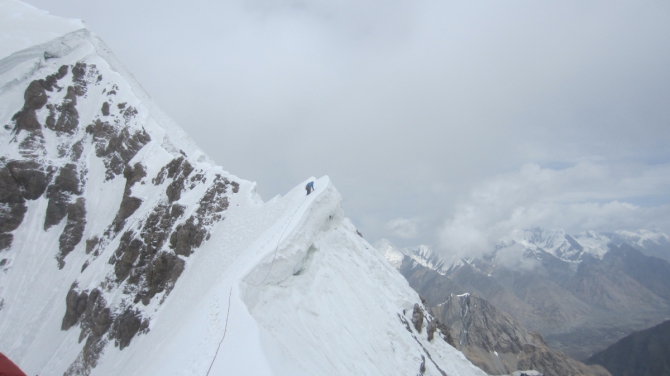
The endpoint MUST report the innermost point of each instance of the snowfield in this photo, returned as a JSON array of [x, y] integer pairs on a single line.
[[127, 251], [328, 305]]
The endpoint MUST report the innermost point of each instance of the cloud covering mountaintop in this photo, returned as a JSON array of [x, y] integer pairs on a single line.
[[414, 107]]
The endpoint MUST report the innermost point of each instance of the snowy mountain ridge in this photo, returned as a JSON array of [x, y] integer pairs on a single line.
[[125, 250], [421, 255], [554, 241], [572, 248]]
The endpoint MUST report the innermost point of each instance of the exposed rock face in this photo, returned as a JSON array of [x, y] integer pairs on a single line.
[[190, 234], [498, 344], [76, 305], [117, 145], [12, 205], [126, 325], [66, 185], [95, 319], [431, 328], [417, 318], [643, 353], [74, 229], [129, 204], [418, 314], [30, 176]]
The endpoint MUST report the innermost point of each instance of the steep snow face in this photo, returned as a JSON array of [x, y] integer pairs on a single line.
[[125, 250], [101, 203], [324, 264]]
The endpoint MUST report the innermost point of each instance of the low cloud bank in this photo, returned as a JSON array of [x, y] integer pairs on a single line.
[[587, 196]]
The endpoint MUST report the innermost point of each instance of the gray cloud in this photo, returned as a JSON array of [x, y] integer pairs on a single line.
[[405, 228], [589, 195], [409, 107]]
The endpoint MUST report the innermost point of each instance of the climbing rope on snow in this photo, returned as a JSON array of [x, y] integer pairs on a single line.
[[274, 256], [224, 332], [266, 276]]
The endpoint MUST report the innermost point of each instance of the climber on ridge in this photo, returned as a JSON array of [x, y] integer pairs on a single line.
[[309, 187]]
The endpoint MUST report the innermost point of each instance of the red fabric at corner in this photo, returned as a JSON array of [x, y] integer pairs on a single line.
[[8, 368]]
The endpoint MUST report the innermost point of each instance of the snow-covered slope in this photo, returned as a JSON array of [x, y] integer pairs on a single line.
[[125, 250]]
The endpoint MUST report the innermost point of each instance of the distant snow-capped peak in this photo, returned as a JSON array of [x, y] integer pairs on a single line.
[[572, 248], [390, 252], [556, 242], [421, 254], [640, 238], [424, 255]]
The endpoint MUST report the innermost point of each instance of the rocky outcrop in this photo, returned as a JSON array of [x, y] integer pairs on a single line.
[[419, 312], [129, 204], [417, 318], [30, 176], [498, 344], [115, 144], [150, 257], [12, 205], [190, 235], [74, 229], [35, 98], [66, 185]]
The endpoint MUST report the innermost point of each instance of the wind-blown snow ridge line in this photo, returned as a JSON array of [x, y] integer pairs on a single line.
[[266, 276], [274, 256]]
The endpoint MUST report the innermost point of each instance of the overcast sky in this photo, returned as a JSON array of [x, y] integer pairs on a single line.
[[440, 122]]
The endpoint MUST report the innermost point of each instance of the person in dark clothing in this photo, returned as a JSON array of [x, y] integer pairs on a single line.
[[309, 187]]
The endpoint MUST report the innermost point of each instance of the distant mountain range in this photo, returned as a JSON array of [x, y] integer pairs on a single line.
[[582, 293]]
